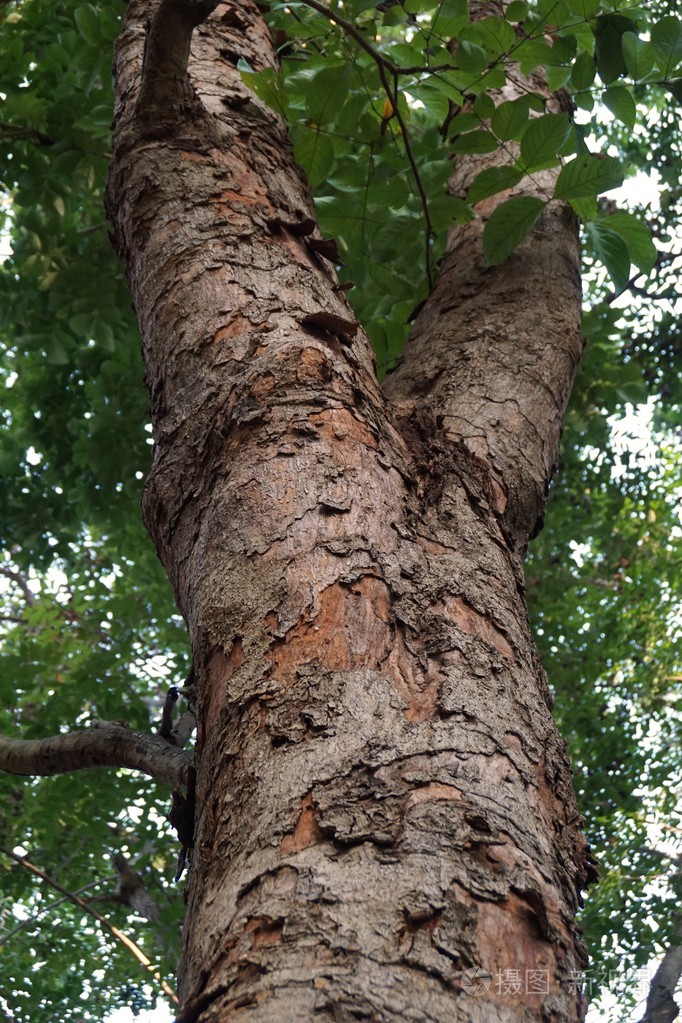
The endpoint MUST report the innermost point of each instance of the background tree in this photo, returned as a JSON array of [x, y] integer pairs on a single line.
[[101, 631]]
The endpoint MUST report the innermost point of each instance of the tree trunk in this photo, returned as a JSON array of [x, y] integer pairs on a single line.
[[383, 802]]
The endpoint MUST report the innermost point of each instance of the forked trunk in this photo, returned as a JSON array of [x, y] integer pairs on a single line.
[[383, 802]]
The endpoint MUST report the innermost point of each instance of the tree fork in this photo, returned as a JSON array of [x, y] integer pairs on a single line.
[[383, 801]]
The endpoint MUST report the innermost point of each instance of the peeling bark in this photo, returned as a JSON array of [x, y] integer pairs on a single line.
[[383, 800]]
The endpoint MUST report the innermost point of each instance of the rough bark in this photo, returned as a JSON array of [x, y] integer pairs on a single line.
[[383, 801]]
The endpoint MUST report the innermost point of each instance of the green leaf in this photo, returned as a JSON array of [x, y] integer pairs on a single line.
[[608, 49], [509, 119], [674, 87], [434, 100], [533, 53], [666, 44], [558, 76], [56, 352], [587, 209], [493, 78], [315, 153], [585, 9], [621, 103], [448, 27], [495, 35], [542, 140], [584, 71], [471, 57], [588, 175], [563, 49], [639, 58], [516, 11], [87, 21], [475, 142], [450, 209], [326, 94], [636, 236], [265, 84], [464, 122], [492, 180], [610, 248], [484, 105], [508, 225]]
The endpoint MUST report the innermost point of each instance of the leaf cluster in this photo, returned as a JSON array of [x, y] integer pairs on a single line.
[[378, 114]]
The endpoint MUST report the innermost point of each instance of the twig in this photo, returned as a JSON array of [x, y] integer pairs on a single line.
[[353, 32], [384, 65], [428, 228]]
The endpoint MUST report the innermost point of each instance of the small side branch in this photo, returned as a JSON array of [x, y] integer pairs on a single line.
[[19, 580], [131, 892], [661, 1006], [21, 131], [386, 67], [165, 90], [119, 935], [109, 744]]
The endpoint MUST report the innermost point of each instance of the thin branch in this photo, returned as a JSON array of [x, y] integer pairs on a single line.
[[661, 1006], [48, 907], [22, 131], [92, 228], [350, 29], [384, 65], [20, 579], [113, 931], [428, 227], [107, 744], [130, 891]]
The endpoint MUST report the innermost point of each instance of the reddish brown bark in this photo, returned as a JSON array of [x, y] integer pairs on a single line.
[[383, 800]]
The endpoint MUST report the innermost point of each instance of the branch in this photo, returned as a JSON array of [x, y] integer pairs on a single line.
[[661, 1006], [5, 936], [21, 582], [384, 65], [428, 227], [165, 87], [131, 892], [350, 29], [107, 744], [114, 931], [21, 131]]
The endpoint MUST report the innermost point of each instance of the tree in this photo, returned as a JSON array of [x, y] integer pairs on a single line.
[[347, 556]]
